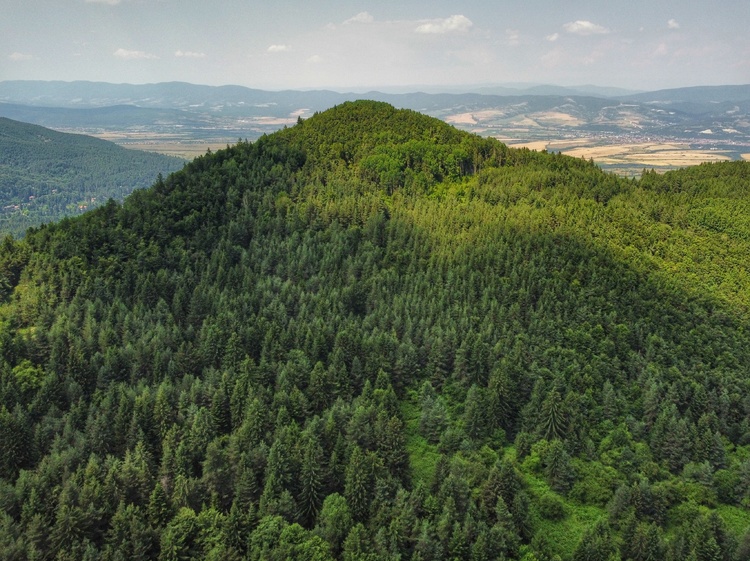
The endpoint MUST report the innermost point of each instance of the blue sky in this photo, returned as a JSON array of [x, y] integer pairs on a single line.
[[345, 45]]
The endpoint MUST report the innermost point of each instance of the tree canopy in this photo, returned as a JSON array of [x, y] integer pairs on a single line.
[[371, 336]]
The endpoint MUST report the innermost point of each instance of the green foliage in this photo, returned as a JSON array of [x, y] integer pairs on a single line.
[[335, 521], [318, 345], [551, 507]]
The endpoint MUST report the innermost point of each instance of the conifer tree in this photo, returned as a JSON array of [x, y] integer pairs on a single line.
[[311, 483]]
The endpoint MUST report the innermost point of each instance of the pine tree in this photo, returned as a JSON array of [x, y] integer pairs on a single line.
[[358, 485], [476, 413], [557, 467], [179, 539], [391, 445], [311, 483], [159, 510], [357, 546], [129, 536], [553, 421]]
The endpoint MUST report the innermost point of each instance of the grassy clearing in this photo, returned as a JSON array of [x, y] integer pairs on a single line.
[[423, 456], [561, 536], [737, 519]]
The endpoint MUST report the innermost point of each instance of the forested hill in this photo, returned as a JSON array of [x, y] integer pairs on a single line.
[[46, 175], [370, 336]]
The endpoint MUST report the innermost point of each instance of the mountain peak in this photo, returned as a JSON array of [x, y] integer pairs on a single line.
[[367, 120]]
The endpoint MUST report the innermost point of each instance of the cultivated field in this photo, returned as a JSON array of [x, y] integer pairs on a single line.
[[186, 150], [629, 158], [169, 144]]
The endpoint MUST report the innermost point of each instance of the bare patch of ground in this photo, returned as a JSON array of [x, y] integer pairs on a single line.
[[550, 145], [526, 122], [533, 145], [461, 119], [557, 118], [475, 117]]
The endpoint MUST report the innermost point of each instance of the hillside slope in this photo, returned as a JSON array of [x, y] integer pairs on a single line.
[[46, 175], [371, 336]]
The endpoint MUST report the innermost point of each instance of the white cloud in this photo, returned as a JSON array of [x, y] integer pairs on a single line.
[[189, 54], [672, 24], [514, 37], [315, 59], [457, 23], [583, 27], [18, 57], [552, 38], [133, 55], [279, 48], [361, 17]]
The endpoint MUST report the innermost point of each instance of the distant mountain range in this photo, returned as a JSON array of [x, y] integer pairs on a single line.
[[182, 110], [697, 94], [183, 95]]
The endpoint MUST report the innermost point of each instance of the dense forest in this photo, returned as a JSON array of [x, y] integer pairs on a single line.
[[372, 336], [46, 175]]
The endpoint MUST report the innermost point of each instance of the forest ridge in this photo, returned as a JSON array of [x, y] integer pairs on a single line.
[[46, 175], [373, 336]]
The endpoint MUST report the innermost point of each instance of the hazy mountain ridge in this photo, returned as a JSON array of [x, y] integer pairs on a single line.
[[695, 94], [105, 116], [183, 94]]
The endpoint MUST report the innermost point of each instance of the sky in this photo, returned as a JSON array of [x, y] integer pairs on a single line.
[[359, 45]]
